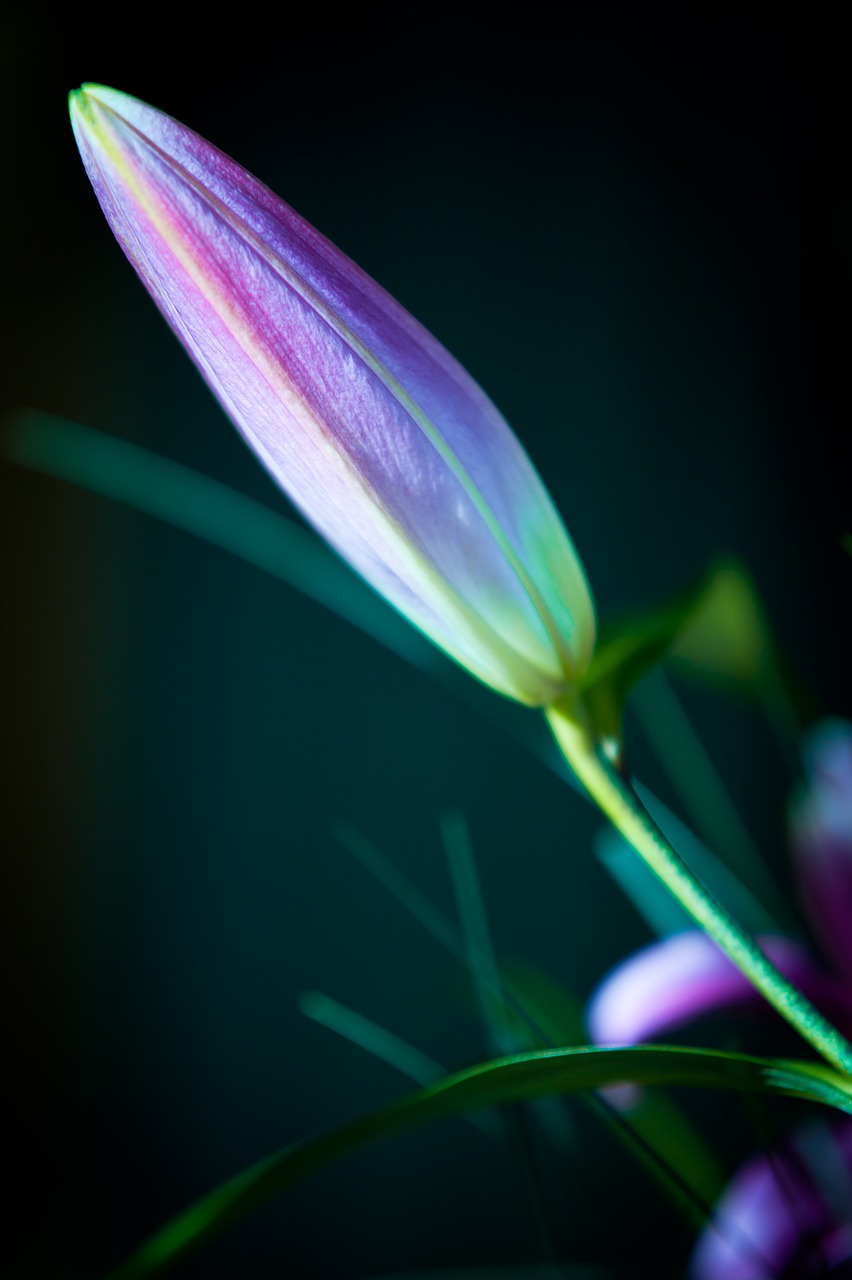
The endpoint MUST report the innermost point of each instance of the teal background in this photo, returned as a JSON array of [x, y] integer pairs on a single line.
[[635, 237]]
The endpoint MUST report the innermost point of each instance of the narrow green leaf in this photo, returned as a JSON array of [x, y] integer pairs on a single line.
[[652, 899], [666, 1128], [478, 947], [524, 1076], [706, 798], [188, 500], [661, 912], [370, 1036], [387, 1047], [716, 631], [728, 642], [627, 649], [492, 1001], [727, 636], [267, 539]]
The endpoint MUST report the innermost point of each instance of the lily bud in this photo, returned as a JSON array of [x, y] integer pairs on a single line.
[[375, 432]]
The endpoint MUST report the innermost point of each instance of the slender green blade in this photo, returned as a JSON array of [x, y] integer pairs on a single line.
[[188, 500], [370, 1036], [716, 630], [728, 635], [626, 650], [521, 1077], [267, 539]]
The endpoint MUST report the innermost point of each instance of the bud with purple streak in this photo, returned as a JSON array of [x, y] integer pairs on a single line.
[[379, 437]]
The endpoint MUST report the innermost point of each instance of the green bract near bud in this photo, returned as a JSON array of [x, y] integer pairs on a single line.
[[376, 433]]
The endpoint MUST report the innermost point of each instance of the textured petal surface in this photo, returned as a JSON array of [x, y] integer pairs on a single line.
[[786, 1213], [683, 977], [371, 427], [822, 838]]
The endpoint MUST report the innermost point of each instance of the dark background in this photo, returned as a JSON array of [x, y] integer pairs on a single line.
[[635, 234]]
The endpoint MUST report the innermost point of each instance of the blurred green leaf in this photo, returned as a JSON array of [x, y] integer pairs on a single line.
[[652, 900], [666, 1129], [725, 634], [727, 641], [551, 1006], [716, 632], [268, 539], [517, 1078], [627, 649], [191, 501]]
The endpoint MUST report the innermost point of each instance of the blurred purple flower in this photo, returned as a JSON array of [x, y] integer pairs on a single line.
[[676, 980], [787, 1212], [375, 432], [821, 822]]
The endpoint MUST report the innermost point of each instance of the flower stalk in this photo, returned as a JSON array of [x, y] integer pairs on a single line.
[[386, 445], [620, 804]]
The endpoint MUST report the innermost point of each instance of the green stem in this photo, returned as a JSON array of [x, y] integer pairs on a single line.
[[615, 798]]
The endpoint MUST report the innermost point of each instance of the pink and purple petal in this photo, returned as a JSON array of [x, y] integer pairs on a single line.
[[684, 977], [786, 1213], [375, 432]]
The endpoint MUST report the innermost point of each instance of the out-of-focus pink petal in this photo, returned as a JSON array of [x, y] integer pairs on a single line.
[[821, 822], [376, 433], [786, 1213], [682, 977]]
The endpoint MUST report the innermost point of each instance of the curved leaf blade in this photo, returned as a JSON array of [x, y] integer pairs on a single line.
[[518, 1078]]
